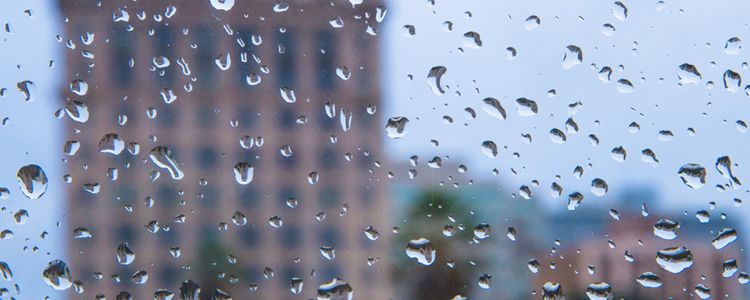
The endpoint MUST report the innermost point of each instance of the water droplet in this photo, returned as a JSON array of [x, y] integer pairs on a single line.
[[421, 249], [732, 81], [619, 154], [599, 187], [729, 268], [5, 272], [371, 233], [77, 111], [243, 173], [493, 108], [79, 87], [189, 290], [574, 200], [224, 5], [573, 56], [328, 252], [57, 275], [111, 143], [557, 136], [624, 86], [725, 237], [124, 255], [526, 107], [489, 148], [702, 291], [32, 181], [689, 74], [724, 166], [532, 22], [485, 281], [295, 285], [434, 77], [27, 89], [608, 29], [619, 10], [675, 259], [336, 289], [692, 175], [552, 291], [288, 95], [649, 280], [163, 158], [395, 128], [482, 231], [599, 291], [733, 46], [472, 40], [666, 229]]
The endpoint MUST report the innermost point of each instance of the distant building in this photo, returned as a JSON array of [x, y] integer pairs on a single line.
[[153, 75], [485, 202], [585, 256]]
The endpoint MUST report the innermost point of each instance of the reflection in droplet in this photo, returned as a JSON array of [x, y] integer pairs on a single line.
[[163, 157], [32, 181], [57, 275], [693, 175], [336, 289], [675, 259], [725, 237], [395, 128], [243, 173], [421, 249], [434, 77], [573, 56]]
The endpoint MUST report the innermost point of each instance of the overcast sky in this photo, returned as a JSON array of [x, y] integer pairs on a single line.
[[645, 48]]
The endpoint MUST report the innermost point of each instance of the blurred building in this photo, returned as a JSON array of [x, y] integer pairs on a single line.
[[595, 247], [425, 199], [184, 75]]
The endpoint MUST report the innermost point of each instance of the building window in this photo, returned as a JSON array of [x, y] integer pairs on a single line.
[[291, 236], [207, 158], [246, 116], [326, 122], [208, 197], [328, 158], [206, 115], [168, 115], [204, 56], [286, 193], [122, 43], [329, 197], [249, 195], [249, 236], [326, 60], [126, 233], [328, 236], [286, 67], [164, 47], [287, 118]]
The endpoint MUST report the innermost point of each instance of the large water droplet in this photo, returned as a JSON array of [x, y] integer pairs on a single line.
[[649, 280], [526, 107], [619, 10], [725, 237], [599, 291], [421, 249], [675, 259], [472, 40], [733, 46], [693, 175], [77, 110], [666, 229], [724, 166], [124, 255], [224, 5], [532, 22], [336, 289], [493, 108], [395, 128], [732, 81], [163, 157], [434, 77], [32, 181], [57, 275], [243, 173], [28, 89], [689, 74], [573, 56], [111, 143], [552, 291]]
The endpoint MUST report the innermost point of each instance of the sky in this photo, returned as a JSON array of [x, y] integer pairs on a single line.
[[646, 48], [32, 135]]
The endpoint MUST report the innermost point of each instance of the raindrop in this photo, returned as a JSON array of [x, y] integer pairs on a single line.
[[526, 107], [124, 255], [472, 40], [395, 128], [725, 237], [649, 280], [243, 173], [666, 229], [489, 148], [111, 143], [335, 289], [493, 108], [77, 111], [599, 187], [434, 77], [732, 81], [421, 249], [620, 11], [32, 181], [532, 22], [724, 166], [692, 175], [163, 157], [57, 275], [28, 89], [599, 291], [689, 74], [288, 95], [573, 56], [482, 231], [224, 5], [675, 259], [733, 46]]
